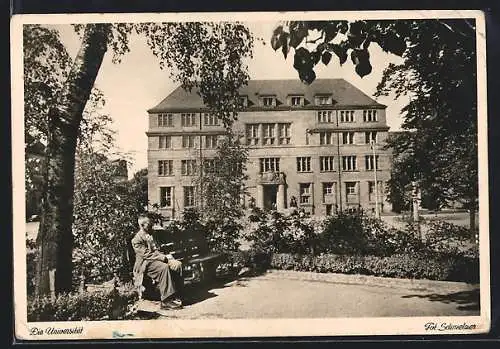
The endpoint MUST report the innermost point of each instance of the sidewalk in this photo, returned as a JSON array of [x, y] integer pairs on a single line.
[[290, 294]]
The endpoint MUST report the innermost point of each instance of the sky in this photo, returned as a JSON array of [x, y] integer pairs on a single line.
[[137, 83]]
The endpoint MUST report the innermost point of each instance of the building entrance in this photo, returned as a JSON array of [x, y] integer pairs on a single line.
[[270, 193]]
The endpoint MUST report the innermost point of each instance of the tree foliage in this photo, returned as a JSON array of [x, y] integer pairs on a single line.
[[46, 65], [439, 151], [105, 214], [317, 41], [207, 56], [139, 189], [222, 187], [105, 208], [438, 74]]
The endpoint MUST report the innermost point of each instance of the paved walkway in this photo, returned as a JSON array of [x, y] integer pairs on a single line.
[[288, 294]]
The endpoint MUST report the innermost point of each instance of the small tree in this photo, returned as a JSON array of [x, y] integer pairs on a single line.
[[139, 189], [222, 187]]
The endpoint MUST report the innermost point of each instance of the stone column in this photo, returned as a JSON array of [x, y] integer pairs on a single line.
[[280, 198], [259, 200]]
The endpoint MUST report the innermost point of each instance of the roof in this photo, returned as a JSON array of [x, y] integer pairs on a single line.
[[343, 93]]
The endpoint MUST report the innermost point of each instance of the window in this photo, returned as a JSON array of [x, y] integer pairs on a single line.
[[347, 137], [252, 134], [188, 167], [165, 120], [328, 189], [210, 120], [371, 187], [304, 164], [165, 167], [325, 138], [296, 101], [325, 116], [165, 142], [166, 196], [211, 142], [350, 188], [370, 136], [188, 196], [209, 165], [268, 101], [323, 100], [305, 193], [188, 119], [370, 163], [269, 165], [269, 134], [284, 133], [326, 163], [243, 100], [369, 115], [328, 192], [349, 163], [188, 141], [347, 116]]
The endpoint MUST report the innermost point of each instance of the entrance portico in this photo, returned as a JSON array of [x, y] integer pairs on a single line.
[[271, 191]]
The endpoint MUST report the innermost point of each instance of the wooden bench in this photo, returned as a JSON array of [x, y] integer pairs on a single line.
[[198, 263]]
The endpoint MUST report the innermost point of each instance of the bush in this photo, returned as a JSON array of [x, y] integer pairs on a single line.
[[450, 238], [31, 259], [257, 260], [413, 266], [275, 232], [101, 305]]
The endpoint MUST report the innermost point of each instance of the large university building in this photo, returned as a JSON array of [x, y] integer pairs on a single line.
[[317, 146]]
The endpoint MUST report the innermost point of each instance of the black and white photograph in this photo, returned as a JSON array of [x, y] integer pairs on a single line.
[[209, 175]]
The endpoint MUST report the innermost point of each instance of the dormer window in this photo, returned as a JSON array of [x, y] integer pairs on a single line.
[[243, 100], [268, 101], [323, 100], [296, 101]]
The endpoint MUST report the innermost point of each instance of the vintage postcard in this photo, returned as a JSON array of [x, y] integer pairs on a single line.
[[221, 175]]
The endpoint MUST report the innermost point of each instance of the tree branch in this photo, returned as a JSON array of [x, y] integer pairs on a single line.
[[447, 26]]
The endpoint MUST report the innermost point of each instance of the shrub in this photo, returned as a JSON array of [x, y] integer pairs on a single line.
[[386, 241], [449, 238], [413, 266], [223, 234], [276, 232], [344, 234], [114, 304], [257, 260], [31, 260]]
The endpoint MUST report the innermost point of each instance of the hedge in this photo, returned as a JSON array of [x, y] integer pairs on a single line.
[[113, 304], [411, 266]]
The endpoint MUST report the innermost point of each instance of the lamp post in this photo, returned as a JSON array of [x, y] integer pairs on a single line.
[[372, 145]]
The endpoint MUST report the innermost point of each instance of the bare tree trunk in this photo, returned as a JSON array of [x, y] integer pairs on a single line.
[[55, 239]]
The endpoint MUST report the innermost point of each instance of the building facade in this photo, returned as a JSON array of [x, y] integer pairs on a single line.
[[318, 147]]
